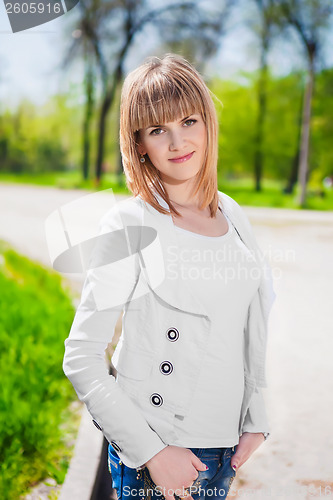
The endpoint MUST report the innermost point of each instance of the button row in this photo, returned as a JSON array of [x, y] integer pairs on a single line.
[[113, 443], [156, 399], [166, 367]]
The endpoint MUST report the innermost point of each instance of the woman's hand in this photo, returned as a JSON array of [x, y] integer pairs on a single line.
[[248, 443], [173, 469]]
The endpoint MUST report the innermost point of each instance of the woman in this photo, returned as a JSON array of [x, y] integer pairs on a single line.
[[179, 258]]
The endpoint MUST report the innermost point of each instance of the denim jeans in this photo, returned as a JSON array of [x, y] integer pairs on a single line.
[[211, 484]]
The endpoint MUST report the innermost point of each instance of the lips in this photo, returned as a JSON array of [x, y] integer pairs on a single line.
[[181, 159]]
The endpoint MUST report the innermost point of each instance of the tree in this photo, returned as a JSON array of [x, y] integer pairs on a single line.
[[114, 30], [266, 30], [85, 45], [308, 18]]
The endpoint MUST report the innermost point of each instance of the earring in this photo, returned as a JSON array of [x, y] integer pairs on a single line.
[[142, 159]]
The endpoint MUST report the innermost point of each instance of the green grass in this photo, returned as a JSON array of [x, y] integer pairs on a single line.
[[241, 189], [271, 195], [36, 421], [67, 180]]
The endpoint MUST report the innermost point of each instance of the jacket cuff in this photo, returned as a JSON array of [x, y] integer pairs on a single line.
[[256, 417], [126, 429]]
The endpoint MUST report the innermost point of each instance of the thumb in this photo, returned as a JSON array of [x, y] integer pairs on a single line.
[[198, 464], [234, 462]]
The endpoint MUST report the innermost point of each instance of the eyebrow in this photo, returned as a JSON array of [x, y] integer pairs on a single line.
[[181, 120]]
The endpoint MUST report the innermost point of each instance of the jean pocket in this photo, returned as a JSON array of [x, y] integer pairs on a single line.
[[115, 466]]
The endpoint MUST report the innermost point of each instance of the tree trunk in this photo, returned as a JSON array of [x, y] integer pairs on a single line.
[[305, 137], [89, 106], [292, 181], [258, 141], [106, 105]]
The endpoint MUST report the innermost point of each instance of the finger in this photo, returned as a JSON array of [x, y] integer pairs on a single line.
[[235, 462], [183, 494], [187, 497], [198, 464]]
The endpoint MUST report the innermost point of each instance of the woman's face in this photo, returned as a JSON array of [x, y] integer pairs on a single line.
[[177, 149]]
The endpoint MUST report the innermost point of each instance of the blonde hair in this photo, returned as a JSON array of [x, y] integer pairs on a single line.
[[159, 91]]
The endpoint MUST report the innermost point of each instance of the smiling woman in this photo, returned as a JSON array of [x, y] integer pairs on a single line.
[[191, 359], [169, 118]]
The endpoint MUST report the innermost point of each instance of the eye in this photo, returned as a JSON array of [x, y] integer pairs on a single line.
[[155, 131], [190, 120]]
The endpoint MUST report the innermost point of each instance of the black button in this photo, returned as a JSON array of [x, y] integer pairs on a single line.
[[172, 334], [166, 367], [156, 399], [96, 424], [115, 446]]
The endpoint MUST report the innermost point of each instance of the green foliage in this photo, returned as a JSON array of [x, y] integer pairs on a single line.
[[35, 318], [44, 139], [237, 120], [322, 124], [236, 131], [242, 190]]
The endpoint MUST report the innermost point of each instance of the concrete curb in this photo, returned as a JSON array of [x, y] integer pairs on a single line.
[[81, 475]]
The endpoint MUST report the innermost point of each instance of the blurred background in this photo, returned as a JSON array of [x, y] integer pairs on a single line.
[[269, 64]]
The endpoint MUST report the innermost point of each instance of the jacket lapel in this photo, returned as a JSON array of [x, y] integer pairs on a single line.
[[162, 263]]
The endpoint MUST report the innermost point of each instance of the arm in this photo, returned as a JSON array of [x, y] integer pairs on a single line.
[[254, 426], [105, 291], [256, 416]]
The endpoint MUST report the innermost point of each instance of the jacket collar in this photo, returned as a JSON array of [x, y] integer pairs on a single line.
[[162, 273]]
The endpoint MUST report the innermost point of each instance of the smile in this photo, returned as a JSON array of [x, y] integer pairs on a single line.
[[182, 158]]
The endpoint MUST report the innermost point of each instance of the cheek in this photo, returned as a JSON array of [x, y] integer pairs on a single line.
[[201, 137], [154, 151]]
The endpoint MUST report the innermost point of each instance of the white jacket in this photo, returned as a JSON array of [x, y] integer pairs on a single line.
[[163, 323]]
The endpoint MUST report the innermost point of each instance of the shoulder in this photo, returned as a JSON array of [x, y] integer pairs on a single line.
[[230, 204], [124, 211], [235, 212]]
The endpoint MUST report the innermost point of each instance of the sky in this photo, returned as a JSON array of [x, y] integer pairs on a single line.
[[30, 60]]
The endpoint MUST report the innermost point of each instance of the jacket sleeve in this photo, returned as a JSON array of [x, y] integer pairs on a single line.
[[107, 288], [256, 416]]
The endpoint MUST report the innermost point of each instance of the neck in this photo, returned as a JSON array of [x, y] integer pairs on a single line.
[[181, 194], [188, 204]]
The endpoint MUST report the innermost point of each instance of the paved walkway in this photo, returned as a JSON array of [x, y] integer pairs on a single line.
[[296, 461]]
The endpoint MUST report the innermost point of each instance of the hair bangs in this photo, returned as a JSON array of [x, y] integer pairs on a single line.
[[163, 100]]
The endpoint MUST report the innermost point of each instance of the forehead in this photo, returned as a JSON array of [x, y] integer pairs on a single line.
[[163, 102]]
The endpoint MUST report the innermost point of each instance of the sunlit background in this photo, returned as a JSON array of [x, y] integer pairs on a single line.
[[270, 65]]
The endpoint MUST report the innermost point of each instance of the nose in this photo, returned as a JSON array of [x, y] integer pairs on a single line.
[[176, 141]]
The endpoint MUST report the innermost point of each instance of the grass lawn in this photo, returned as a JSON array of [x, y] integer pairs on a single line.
[[37, 423], [241, 189]]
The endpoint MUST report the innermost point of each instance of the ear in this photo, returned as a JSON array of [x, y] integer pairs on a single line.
[[140, 149]]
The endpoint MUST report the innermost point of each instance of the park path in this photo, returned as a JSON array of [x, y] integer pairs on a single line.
[[296, 461]]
